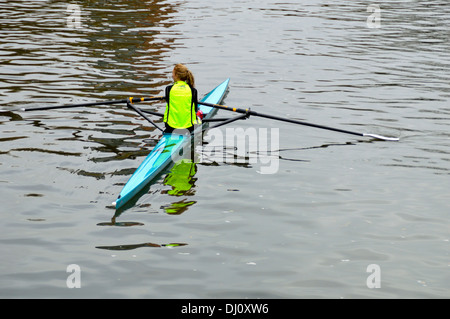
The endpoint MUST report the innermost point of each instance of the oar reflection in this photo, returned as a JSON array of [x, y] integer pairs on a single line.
[[135, 246]]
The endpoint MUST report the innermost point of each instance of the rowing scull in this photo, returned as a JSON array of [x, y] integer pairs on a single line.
[[168, 146]]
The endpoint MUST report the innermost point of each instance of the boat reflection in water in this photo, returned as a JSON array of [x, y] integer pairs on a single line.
[[181, 179]]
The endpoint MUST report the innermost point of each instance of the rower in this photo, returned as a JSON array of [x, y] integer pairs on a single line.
[[182, 110]]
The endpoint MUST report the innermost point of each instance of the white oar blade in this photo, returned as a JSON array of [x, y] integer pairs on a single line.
[[381, 137]]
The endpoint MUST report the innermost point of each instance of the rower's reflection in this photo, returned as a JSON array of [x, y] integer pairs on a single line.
[[181, 179]]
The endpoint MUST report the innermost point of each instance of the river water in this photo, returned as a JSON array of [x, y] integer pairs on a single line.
[[305, 213]]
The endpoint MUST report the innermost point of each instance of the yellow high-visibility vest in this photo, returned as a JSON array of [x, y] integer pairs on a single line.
[[180, 108]]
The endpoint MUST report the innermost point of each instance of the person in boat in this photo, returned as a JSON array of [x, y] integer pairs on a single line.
[[182, 101]]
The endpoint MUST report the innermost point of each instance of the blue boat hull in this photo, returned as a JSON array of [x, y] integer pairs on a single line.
[[168, 148]]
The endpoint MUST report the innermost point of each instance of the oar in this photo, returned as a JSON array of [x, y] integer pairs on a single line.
[[128, 101], [273, 117], [143, 99], [142, 114]]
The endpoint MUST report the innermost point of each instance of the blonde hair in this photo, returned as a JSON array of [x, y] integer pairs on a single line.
[[184, 74]]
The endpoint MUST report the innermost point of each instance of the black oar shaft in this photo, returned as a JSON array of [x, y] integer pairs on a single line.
[[273, 117], [133, 100], [306, 123], [152, 112], [71, 105], [143, 115]]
